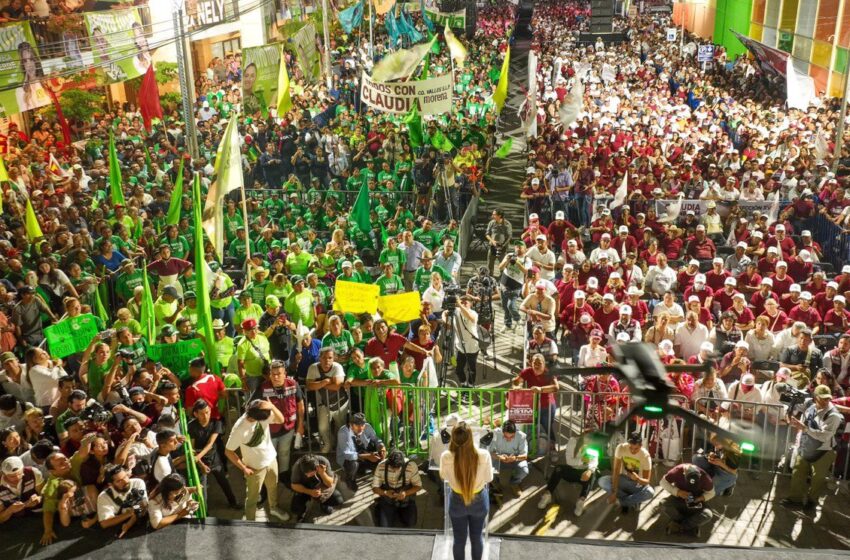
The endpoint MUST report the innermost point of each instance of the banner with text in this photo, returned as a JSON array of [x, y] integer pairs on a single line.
[[700, 207], [434, 95], [118, 43], [454, 19], [307, 54], [261, 66], [22, 70], [71, 336], [353, 297], [176, 357], [400, 308]]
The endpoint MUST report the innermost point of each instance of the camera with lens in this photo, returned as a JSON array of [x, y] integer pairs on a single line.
[[134, 500], [512, 258], [95, 413], [452, 298], [107, 334], [125, 354], [791, 396]]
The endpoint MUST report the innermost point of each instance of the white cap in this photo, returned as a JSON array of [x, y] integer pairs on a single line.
[[806, 256], [832, 284], [635, 291], [839, 299], [759, 235], [568, 266], [730, 282], [780, 227], [700, 227], [623, 229], [585, 318], [667, 347], [781, 263], [806, 295], [805, 233], [772, 249], [795, 288], [609, 297], [615, 275], [748, 379], [540, 237], [845, 269], [693, 262], [572, 242], [533, 216], [693, 298], [623, 337], [347, 264], [717, 260], [742, 344], [767, 282], [606, 236], [625, 310], [707, 346], [742, 245], [535, 181], [559, 215], [738, 295], [530, 170], [699, 279], [579, 294]]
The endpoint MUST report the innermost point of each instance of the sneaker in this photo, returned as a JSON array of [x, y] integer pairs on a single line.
[[327, 510], [579, 507], [545, 500], [351, 483], [505, 329], [729, 491], [281, 516]]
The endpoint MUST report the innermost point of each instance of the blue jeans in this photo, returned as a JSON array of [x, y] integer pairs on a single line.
[[468, 521], [629, 493], [546, 416], [518, 471], [510, 305], [723, 480], [226, 314], [583, 209]]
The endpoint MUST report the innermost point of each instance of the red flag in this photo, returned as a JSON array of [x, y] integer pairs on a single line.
[[149, 99], [63, 122]]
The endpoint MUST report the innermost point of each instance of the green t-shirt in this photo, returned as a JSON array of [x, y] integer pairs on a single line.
[[390, 285], [342, 344], [253, 357], [300, 307], [298, 263], [252, 311]]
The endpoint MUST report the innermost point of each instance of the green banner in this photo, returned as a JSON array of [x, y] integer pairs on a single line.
[[259, 78], [20, 66], [455, 19], [71, 336], [176, 357], [307, 54], [118, 43]]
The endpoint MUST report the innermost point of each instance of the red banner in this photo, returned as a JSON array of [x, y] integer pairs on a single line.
[[521, 406]]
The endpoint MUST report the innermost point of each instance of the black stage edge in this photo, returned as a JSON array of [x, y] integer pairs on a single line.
[[216, 538], [607, 38], [523, 27]]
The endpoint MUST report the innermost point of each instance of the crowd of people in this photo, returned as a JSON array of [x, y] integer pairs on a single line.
[[95, 438]]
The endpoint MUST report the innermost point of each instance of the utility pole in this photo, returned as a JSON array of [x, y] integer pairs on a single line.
[[187, 85], [328, 77]]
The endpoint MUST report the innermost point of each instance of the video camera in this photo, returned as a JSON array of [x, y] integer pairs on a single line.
[[452, 298], [791, 396], [95, 413]]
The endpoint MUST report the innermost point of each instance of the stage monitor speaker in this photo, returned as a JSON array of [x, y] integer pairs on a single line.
[[601, 16]]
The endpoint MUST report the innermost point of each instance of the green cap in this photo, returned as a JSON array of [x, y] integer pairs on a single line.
[[295, 278], [168, 330], [272, 301], [6, 357], [189, 295]]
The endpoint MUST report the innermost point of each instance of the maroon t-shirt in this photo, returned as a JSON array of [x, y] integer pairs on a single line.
[[387, 351]]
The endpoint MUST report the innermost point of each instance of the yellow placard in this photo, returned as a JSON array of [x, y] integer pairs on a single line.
[[383, 6], [400, 308], [353, 297]]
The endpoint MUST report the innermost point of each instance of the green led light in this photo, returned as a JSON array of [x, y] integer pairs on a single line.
[[593, 452], [748, 447], [653, 409]]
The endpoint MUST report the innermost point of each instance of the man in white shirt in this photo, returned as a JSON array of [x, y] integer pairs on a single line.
[[543, 257], [690, 335], [669, 306], [124, 500], [605, 248], [629, 484], [744, 391], [659, 278], [449, 259], [251, 436], [788, 337]]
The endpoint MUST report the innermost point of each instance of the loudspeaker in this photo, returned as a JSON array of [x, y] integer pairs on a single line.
[[601, 16]]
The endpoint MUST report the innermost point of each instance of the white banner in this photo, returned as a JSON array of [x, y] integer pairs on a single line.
[[700, 207], [434, 94]]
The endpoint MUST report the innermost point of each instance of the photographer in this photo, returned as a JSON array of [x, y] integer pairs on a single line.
[[513, 268], [690, 488], [466, 341], [396, 481], [358, 448], [173, 501], [313, 478], [498, 235], [817, 427], [286, 395], [123, 502], [720, 464], [483, 290]]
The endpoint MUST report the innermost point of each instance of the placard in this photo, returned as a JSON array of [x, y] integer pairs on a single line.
[[434, 95], [177, 356], [71, 336], [353, 297], [705, 53], [400, 308]]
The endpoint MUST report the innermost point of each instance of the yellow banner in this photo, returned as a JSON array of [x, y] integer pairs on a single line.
[[383, 6], [353, 297], [400, 308]]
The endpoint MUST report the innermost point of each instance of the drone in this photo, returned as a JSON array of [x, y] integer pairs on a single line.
[[651, 396]]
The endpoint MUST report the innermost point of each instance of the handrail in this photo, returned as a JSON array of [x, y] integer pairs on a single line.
[[192, 477]]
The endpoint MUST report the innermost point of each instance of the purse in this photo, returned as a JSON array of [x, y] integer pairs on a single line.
[[267, 366]]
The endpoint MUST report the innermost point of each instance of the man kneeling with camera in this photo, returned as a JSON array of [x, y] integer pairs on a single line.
[[396, 481], [123, 502]]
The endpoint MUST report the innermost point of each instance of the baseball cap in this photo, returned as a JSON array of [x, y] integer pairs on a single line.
[[667, 347], [821, 392], [609, 297], [533, 217], [748, 380], [592, 282], [580, 294], [12, 465], [699, 279], [623, 337], [540, 237], [540, 285], [730, 282], [170, 291], [742, 344], [249, 324], [772, 250], [795, 288], [781, 263], [706, 346], [693, 298], [839, 299], [623, 229], [559, 215], [806, 295], [596, 333], [738, 295], [634, 438], [767, 281], [625, 310], [585, 319], [6, 357], [693, 262], [717, 260], [272, 301]]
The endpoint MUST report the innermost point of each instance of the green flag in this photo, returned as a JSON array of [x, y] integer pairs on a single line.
[[442, 143], [173, 217], [147, 318], [31, 223], [414, 125], [505, 148], [501, 92], [100, 310], [360, 210], [202, 291], [284, 99], [115, 174]]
